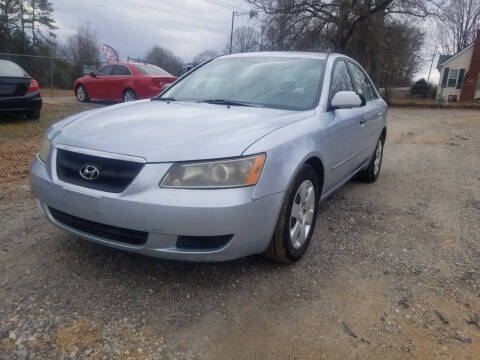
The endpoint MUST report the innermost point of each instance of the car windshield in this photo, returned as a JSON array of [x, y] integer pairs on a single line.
[[274, 82], [8, 68], [147, 69]]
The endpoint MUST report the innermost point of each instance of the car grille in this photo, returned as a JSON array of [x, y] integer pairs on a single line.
[[101, 230], [114, 175]]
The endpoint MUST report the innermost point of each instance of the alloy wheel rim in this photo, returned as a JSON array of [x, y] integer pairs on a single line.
[[81, 93], [129, 96], [378, 158], [301, 217]]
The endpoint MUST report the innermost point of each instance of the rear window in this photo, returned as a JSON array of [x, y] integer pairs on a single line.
[[8, 68], [147, 69]]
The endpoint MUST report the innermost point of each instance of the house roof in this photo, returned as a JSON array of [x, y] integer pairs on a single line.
[[444, 59]]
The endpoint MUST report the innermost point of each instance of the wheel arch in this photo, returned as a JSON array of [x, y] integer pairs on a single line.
[[128, 88], [384, 134], [77, 85], [316, 163]]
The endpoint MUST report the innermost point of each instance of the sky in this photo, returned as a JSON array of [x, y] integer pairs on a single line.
[[186, 27]]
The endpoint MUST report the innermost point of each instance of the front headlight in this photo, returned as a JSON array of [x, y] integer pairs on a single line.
[[215, 174], [44, 150]]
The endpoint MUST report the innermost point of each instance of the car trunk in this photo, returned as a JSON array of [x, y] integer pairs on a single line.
[[13, 86], [161, 81]]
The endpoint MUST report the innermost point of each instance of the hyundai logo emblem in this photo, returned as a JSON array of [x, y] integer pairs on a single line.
[[89, 172]]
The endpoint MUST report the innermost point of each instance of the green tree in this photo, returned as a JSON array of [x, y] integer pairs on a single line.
[[41, 21], [9, 10]]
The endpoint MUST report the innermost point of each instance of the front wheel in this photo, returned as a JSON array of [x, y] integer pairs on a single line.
[[296, 222], [81, 93], [129, 95], [371, 173]]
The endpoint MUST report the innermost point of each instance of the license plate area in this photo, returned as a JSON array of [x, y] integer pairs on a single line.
[[7, 89], [82, 202]]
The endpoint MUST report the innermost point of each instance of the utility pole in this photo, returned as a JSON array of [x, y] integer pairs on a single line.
[[235, 13], [430, 71], [231, 32], [431, 64]]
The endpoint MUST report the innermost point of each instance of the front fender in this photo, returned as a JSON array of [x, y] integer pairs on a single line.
[[287, 150]]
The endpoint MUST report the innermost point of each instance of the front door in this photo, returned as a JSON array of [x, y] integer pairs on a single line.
[[115, 83], [343, 140], [98, 86]]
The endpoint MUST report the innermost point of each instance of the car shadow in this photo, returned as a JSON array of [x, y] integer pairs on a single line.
[[104, 103], [6, 118]]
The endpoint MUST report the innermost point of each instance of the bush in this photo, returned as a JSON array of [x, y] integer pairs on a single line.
[[422, 89]]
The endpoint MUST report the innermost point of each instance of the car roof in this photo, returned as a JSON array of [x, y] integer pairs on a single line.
[[291, 54]]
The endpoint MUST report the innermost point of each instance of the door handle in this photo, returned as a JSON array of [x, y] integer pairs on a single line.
[[363, 120]]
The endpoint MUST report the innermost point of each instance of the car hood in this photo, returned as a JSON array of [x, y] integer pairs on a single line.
[[174, 131]]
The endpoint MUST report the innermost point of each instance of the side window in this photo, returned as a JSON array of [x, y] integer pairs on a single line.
[[341, 80], [362, 83], [121, 70], [105, 71]]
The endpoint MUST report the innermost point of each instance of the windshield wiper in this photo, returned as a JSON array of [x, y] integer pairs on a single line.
[[164, 99], [229, 102]]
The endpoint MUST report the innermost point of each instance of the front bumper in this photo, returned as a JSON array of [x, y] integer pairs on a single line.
[[165, 214], [29, 102]]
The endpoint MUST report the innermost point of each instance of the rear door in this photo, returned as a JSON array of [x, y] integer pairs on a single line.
[[97, 87], [118, 81], [344, 130], [372, 121]]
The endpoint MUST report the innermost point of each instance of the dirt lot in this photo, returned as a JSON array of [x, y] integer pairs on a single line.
[[393, 271]]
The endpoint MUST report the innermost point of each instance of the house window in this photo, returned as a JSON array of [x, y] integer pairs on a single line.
[[452, 78]]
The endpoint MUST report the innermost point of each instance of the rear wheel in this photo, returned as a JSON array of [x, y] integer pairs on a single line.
[[33, 114], [296, 222], [81, 93], [371, 173], [129, 95]]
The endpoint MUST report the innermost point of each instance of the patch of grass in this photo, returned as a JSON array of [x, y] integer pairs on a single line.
[[20, 139], [14, 127], [56, 92]]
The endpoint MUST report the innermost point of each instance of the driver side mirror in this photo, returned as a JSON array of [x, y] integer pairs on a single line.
[[347, 100], [92, 74]]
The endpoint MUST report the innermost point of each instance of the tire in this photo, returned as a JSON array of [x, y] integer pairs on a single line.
[[81, 93], [281, 248], [33, 114], [371, 173], [129, 95]]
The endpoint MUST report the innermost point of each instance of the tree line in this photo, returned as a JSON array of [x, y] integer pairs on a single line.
[[386, 36]]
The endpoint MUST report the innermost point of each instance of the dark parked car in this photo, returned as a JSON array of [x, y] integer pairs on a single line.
[[184, 69], [19, 92]]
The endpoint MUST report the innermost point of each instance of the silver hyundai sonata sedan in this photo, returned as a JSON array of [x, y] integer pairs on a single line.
[[231, 160]]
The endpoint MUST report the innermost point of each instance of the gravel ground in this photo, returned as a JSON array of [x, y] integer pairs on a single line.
[[393, 271]]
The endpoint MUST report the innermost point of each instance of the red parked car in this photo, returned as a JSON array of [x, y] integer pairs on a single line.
[[122, 82]]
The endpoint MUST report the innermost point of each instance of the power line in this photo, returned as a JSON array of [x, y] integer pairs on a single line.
[[224, 4]]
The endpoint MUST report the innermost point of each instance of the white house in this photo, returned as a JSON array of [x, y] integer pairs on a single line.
[[459, 74]]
